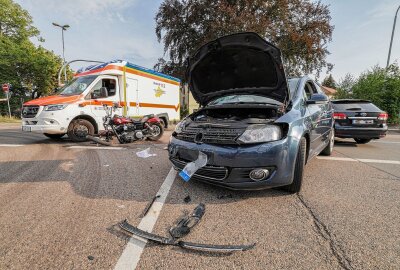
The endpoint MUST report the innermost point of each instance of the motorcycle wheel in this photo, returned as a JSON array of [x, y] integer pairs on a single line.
[[158, 132]]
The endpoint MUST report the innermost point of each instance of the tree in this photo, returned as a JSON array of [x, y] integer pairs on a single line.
[[329, 82], [382, 87], [25, 66], [344, 87], [300, 28]]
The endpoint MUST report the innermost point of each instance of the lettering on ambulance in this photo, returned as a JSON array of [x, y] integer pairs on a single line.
[[159, 89]]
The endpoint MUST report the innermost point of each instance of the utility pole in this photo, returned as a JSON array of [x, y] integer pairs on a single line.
[[391, 39], [63, 28]]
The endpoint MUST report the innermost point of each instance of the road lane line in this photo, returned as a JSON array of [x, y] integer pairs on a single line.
[[362, 160], [384, 142], [131, 255], [96, 147], [11, 145]]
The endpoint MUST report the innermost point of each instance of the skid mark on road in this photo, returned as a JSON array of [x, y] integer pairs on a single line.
[[131, 255], [322, 230], [383, 161]]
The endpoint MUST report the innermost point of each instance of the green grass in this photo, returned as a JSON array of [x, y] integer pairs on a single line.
[[7, 119]]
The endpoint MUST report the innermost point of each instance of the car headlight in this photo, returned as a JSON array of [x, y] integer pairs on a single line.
[[55, 107], [179, 127], [261, 133]]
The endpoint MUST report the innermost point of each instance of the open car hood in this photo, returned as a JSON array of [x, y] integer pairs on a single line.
[[242, 63]]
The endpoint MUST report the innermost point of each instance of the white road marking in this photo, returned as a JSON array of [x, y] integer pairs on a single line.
[[362, 160], [384, 142], [96, 147], [11, 145], [131, 255]]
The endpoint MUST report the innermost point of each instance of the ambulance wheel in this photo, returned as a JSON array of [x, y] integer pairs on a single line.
[[157, 133], [79, 129], [53, 136]]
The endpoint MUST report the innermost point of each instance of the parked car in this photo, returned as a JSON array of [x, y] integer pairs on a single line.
[[359, 119], [255, 132]]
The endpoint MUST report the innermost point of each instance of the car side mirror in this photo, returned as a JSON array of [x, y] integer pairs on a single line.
[[317, 99]]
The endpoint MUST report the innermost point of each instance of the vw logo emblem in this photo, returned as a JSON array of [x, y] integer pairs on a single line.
[[363, 114]]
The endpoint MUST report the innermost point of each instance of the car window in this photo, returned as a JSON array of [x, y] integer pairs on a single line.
[[309, 89], [109, 84], [356, 106], [77, 86]]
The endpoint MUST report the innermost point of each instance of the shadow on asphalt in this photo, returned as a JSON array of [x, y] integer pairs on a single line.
[[341, 143]]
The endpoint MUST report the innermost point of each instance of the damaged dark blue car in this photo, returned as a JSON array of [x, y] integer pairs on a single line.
[[257, 128]]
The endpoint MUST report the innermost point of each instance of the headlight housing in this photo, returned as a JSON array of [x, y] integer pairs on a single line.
[[261, 133], [55, 107], [179, 127]]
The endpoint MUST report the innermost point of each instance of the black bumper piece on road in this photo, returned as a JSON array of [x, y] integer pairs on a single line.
[[188, 245]]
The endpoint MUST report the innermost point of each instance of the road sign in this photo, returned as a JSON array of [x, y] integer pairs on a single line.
[[6, 87]]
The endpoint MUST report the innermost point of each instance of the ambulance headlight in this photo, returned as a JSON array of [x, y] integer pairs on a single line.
[[55, 107]]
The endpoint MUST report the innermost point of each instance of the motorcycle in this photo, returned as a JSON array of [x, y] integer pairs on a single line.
[[128, 130]]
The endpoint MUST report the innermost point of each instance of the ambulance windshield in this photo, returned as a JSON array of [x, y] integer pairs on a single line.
[[77, 86]]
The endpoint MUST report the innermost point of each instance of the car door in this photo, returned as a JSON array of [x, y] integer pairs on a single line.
[[326, 121], [314, 116], [97, 101]]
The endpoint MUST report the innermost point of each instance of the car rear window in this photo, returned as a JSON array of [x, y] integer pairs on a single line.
[[354, 106]]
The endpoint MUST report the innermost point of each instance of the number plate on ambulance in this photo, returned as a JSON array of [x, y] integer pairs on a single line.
[[27, 129]]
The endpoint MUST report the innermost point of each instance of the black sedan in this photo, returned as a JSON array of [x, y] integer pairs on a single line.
[[359, 119]]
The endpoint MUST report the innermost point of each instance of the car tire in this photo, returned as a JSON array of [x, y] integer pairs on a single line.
[[329, 148], [53, 136], [160, 129], [79, 129], [362, 141], [295, 186]]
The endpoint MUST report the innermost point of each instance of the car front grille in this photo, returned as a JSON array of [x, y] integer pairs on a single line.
[[207, 172], [29, 111], [212, 135]]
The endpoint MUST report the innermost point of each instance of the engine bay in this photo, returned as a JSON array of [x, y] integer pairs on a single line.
[[244, 115]]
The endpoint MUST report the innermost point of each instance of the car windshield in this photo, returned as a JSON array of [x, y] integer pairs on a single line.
[[293, 82], [77, 86], [235, 99]]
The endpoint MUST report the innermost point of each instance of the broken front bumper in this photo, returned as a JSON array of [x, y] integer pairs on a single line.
[[230, 166]]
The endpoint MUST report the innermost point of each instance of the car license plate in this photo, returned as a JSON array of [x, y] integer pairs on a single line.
[[363, 122], [27, 129]]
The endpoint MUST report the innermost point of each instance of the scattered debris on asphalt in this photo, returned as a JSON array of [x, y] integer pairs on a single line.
[[165, 148], [90, 257], [183, 226], [147, 208], [187, 199], [188, 245], [224, 196], [193, 166], [145, 153]]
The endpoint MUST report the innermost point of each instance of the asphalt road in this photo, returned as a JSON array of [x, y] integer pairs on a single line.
[[59, 207]]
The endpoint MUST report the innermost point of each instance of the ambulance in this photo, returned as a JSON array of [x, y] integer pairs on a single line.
[[77, 108]]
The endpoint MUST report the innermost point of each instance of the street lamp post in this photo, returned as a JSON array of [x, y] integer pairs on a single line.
[[63, 28], [391, 39]]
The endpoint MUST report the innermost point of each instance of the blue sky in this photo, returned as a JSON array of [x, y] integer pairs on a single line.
[[120, 29]]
